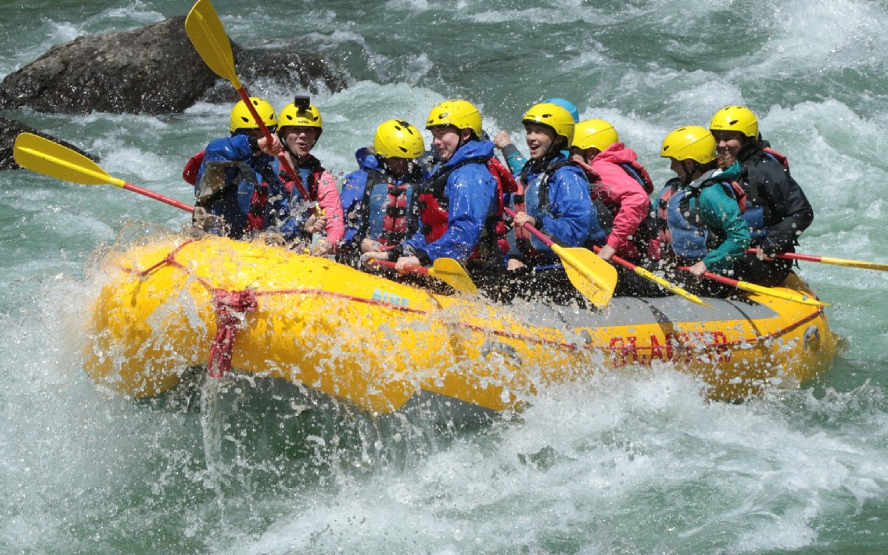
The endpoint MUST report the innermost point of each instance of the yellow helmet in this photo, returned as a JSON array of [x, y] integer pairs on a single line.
[[691, 142], [735, 118], [301, 116], [241, 118], [594, 133], [554, 116], [396, 138], [459, 113]]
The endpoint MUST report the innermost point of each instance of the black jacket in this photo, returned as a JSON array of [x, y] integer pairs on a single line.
[[787, 212]]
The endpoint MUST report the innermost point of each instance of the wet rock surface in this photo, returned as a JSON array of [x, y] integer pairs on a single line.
[[10, 129], [284, 66], [153, 69]]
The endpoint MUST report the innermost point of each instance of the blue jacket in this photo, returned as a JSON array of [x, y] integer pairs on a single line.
[[354, 194], [471, 199], [566, 208], [242, 172]]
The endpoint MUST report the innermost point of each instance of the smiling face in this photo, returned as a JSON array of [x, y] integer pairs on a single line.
[[300, 139], [728, 145], [446, 140], [539, 139]]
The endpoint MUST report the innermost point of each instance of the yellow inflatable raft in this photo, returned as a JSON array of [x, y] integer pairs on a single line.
[[380, 345]]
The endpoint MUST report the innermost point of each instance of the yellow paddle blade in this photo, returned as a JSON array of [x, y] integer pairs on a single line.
[[207, 34], [592, 276], [670, 286], [854, 263], [780, 293], [452, 273], [50, 158]]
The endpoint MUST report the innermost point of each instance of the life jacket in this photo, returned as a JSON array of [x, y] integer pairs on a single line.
[[604, 214], [755, 219], [259, 202], [244, 176], [314, 177], [434, 210], [600, 219], [390, 201], [647, 229], [680, 224], [638, 172], [505, 185], [777, 156], [192, 168]]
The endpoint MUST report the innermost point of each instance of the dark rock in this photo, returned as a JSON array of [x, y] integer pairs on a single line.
[[276, 67], [153, 69], [10, 129]]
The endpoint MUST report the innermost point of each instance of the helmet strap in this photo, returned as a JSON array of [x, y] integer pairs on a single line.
[[689, 174], [462, 141], [289, 151]]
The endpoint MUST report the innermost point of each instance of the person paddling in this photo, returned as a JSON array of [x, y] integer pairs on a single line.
[[778, 211], [697, 215], [378, 199], [620, 186], [300, 128], [237, 175], [459, 204], [554, 198]]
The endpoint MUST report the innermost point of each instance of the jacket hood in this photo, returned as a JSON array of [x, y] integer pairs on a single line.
[[617, 153], [472, 149], [367, 160], [731, 173]]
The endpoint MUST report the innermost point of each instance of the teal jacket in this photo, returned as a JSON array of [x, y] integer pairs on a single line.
[[704, 219], [720, 211]]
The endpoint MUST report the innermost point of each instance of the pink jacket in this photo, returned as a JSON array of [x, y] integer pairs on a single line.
[[622, 194], [330, 203], [327, 198]]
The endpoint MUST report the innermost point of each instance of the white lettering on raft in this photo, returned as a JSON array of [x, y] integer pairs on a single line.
[[390, 298]]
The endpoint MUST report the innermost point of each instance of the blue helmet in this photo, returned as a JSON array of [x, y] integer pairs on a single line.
[[567, 105]]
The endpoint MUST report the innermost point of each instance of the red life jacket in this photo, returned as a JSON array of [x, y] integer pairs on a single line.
[[192, 168], [522, 236], [777, 156], [396, 222], [314, 177], [433, 211], [505, 184], [394, 225], [433, 203]]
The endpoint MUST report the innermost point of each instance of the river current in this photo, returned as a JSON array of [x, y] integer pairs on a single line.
[[635, 461]]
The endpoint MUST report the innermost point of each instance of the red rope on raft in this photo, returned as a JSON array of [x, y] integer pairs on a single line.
[[231, 308], [168, 259]]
